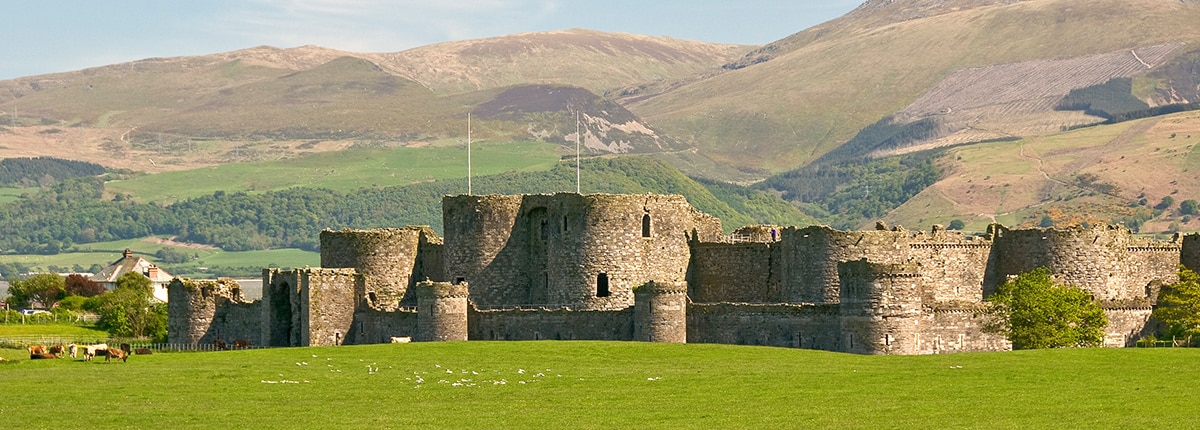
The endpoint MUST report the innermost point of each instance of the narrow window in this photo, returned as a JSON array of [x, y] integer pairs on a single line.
[[602, 285], [564, 223], [372, 297], [646, 225], [543, 230], [459, 280]]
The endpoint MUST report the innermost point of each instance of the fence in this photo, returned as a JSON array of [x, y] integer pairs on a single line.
[[1186, 342], [26, 341]]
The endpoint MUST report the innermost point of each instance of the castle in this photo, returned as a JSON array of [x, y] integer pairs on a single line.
[[653, 268]]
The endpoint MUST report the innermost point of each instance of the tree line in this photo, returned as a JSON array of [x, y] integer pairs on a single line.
[[64, 215]]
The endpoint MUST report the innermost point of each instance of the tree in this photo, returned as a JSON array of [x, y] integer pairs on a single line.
[[77, 285], [1166, 203], [957, 224], [1178, 307], [130, 310], [42, 290], [1035, 313], [1189, 207]]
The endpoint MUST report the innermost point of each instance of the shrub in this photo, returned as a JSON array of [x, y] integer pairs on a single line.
[[1178, 307], [1034, 313]]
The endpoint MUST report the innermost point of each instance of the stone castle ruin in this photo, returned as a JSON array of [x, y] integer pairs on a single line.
[[653, 268]]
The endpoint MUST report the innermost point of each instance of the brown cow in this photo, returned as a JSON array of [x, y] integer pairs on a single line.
[[116, 354], [241, 344], [37, 349], [57, 350], [42, 356], [143, 351], [219, 345]]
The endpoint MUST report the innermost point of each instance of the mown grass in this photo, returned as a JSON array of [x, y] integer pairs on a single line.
[[607, 385], [342, 170]]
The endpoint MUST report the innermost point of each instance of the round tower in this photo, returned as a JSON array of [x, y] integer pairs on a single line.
[[660, 312], [441, 311], [386, 255], [880, 307]]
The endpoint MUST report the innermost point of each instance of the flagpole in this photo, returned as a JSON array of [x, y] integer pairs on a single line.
[[469, 191], [577, 152]]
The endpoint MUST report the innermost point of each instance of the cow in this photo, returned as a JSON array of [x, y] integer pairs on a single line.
[[219, 345], [72, 350], [401, 339], [125, 347], [37, 349], [42, 356], [90, 351], [241, 344], [57, 350], [116, 354], [143, 351]]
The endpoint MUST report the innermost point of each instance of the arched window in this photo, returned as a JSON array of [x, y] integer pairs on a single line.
[[602, 285], [646, 225]]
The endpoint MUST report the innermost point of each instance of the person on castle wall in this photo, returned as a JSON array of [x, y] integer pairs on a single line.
[[773, 234]]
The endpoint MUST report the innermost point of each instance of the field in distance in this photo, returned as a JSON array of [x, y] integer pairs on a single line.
[[343, 171], [104, 253], [585, 384]]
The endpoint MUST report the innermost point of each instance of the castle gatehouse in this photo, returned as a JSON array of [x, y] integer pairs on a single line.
[[653, 268]]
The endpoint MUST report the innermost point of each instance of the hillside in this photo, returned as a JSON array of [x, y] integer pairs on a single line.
[[797, 99], [1105, 174], [163, 114]]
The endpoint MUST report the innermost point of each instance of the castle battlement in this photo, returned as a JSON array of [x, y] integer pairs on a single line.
[[651, 267]]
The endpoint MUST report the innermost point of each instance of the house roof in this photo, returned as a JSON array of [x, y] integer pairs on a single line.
[[130, 263]]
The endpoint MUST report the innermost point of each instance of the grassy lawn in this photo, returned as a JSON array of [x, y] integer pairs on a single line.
[[608, 385], [65, 330]]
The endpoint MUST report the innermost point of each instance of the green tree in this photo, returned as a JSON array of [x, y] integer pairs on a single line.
[[1189, 207], [957, 224], [130, 309], [41, 290], [1178, 307], [1035, 313], [1166, 203]]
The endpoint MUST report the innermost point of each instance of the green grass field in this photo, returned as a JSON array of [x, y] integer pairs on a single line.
[[581, 384], [103, 253], [343, 170]]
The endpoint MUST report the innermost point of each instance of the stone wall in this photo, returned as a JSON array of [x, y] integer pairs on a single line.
[[1106, 261], [660, 312], [1190, 252], [545, 322], [734, 272], [808, 326], [441, 311], [375, 325], [392, 259], [880, 306], [1126, 324], [587, 251], [328, 300], [201, 312], [955, 330]]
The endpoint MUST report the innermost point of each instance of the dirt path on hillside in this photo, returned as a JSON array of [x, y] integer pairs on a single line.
[[171, 242]]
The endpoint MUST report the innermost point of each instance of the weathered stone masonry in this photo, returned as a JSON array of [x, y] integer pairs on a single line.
[[652, 268]]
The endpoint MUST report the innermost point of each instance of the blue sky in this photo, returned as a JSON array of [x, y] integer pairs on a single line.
[[40, 36]]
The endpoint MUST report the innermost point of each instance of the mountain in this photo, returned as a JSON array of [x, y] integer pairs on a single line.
[[246, 105], [793, 101]]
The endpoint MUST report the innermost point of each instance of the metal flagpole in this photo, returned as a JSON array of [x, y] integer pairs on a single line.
[[469, 191], [577, 152]]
